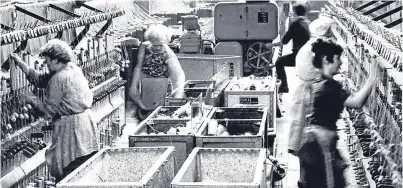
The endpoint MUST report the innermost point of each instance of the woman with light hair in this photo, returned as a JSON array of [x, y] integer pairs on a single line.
[[306, 73], [68, 102], [157, 65]]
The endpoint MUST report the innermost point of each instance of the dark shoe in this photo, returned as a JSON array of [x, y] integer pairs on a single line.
[[283, 90], [301, 185], [278, 112]]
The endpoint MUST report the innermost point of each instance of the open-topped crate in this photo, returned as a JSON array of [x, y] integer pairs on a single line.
[[192, 90], [124, 168], [165, 133], [222, 167], [239, 133], [164, 113]]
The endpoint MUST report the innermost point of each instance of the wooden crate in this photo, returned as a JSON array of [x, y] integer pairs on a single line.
[[256, 140], [223, 167], [124, 168]]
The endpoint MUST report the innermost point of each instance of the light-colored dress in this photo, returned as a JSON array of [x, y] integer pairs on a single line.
[[301, 98], [68, 101]]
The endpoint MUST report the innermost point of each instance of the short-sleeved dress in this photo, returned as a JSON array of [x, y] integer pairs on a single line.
[[68, 101], [155, 83], [321, 163]]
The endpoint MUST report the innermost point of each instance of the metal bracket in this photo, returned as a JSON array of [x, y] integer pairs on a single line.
[[386, 14], [80, 36], [21, 47], [5, 27], [29, 13], [82, 3], [60, 34], [63, 10], [394, 23], [366, 5], [379, 7], [104, 28]]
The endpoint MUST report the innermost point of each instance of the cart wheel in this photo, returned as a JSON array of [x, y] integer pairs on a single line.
[[258, 56]]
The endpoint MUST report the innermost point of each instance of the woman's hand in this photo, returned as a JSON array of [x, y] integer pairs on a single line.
[[19, 62], [375, 69], [16, 58], [136, 97], [29, 99]]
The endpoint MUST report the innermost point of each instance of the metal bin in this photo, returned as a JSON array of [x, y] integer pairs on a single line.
[[222, 167], [124, 168]]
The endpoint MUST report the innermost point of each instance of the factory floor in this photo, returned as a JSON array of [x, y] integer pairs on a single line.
[[290, 162]]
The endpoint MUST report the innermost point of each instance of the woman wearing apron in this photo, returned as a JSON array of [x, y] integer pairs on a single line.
[[157, 67], [306, 73], [321, 163], [68, 101]]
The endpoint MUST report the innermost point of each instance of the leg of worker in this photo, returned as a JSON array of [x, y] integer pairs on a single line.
[[73, 165], [289, 61]]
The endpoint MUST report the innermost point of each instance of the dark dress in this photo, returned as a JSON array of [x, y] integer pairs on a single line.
[[321, 163]]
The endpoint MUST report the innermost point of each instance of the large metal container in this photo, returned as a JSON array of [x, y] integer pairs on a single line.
[[193, 88], [237, 137], [124, 168], [225, 167], [184, 143], [239, 93], [204, 67], [242, 113]]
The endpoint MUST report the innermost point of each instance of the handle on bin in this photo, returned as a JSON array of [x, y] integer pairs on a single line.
[[249, 105]]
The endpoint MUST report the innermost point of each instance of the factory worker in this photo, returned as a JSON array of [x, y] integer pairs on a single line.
[[68, 102], [321, 165], [156, 69], [299, 33], [306, 72]]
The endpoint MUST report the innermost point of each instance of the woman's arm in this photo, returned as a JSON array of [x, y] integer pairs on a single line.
[[177, 74], [39, 80], [358, 99], [134, 88]]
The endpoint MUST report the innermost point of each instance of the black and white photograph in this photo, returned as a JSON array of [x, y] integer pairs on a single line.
[[201, 93]]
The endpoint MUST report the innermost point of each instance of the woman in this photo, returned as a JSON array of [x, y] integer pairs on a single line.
[[321, 163], [68, 101], [156, 64], [306, 72]]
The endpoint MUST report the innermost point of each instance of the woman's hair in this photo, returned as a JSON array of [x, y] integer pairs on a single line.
[[158, 32], [300, 9], [322, 48], [57, 49]]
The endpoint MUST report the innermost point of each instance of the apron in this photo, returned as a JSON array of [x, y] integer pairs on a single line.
[[154, 82], [153, 93], [73, 136]]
